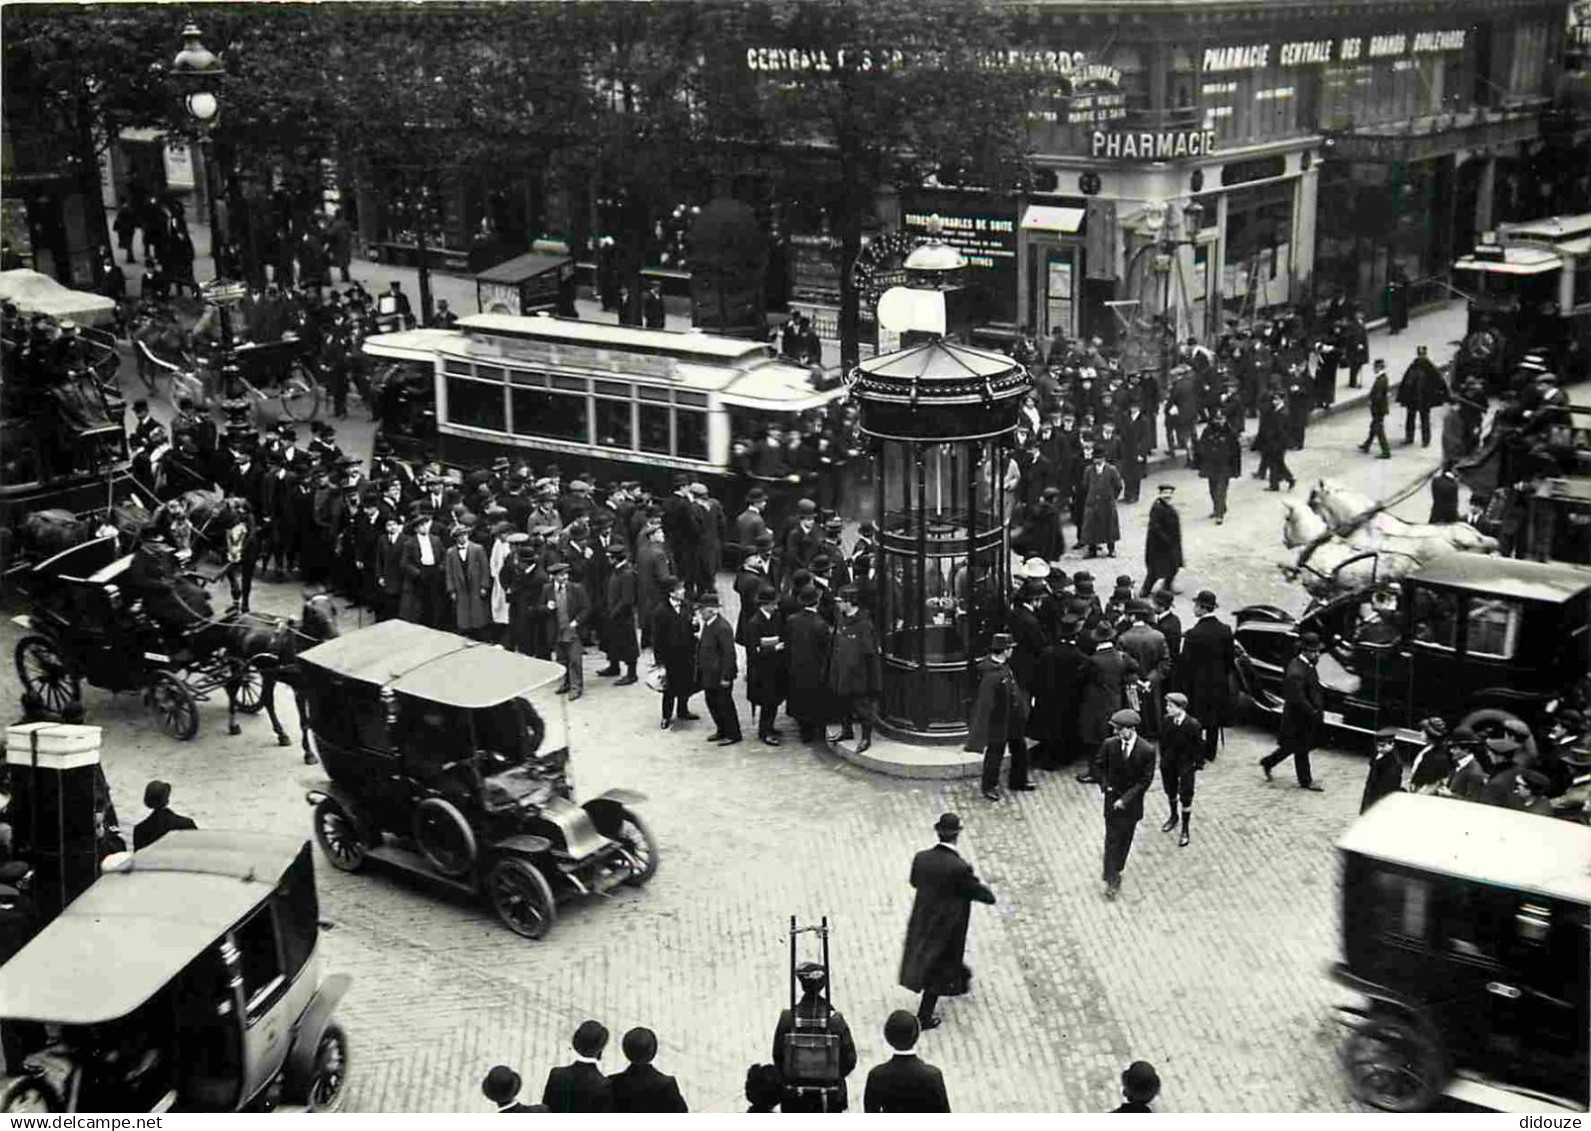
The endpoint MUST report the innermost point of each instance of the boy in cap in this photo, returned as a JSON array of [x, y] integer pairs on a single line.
[[1385, 774], [1126, 770], [904, 1083], [1181, 758]]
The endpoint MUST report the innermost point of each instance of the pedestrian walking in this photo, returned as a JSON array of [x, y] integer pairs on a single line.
[[1181, 759], [1125, 768], [904, 1083], [641, 1087], [1302, 709], [1421, 390], [581, 1086], [999, 720], [855, 670], [1219, 459], [1380, 405], [1385, 774], [1272, 441], [1205, 669], [1163, 541], [716, 670], [933, 959], [1140, 1084], [674, 647]]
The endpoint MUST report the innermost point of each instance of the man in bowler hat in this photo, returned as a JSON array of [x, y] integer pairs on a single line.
[[581, 1086], [640, 1087], [999, 720], [501, 1087], [1140, 1084], [936, 934], [904, 1083], [1302, 708], [1126, 770]]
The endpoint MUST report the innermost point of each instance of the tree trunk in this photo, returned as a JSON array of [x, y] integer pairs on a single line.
[[850, 248], [638, 212]]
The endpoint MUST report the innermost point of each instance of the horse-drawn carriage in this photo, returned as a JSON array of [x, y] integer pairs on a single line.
[[81, 627]]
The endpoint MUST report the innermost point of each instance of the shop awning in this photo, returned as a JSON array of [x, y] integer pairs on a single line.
[[1050, 218]]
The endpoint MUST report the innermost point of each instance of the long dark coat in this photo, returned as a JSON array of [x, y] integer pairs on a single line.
[[765, 667], [1385, 776], [1109, 670], [936, 933], [618, 628], [523, 582], [855, 669], [1302, 702], [674, 644], [1204, 671], [1102, 486], [1001, 710], [1063, 672], [469, 585], [1163, 543], [807, 645]]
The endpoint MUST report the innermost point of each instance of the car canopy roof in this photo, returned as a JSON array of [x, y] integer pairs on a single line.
[[1507, 577], [134, 930], [1482, 843], [410, 659]]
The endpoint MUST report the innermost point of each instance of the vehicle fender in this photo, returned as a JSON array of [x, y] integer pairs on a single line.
[[1266, 613], [605, 809], [311, 1024], [332, 791], [522, 844]]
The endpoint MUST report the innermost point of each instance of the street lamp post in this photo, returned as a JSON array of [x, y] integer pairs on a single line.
[[1165, 265], [197, 73]]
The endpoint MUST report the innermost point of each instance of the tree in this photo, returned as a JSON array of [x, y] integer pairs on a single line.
[[894, 90]]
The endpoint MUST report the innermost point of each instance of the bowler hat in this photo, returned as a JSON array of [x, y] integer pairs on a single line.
[[1206, 600], [808, 597], [1126, 717], [639, 1045], [590, 1038], [763, 541], [901, 1030], [850, 593], [1140, 1082], [806, 508], [1163, 598], [948, 823], [1463, 736], [1103, 633], [756, 495], [157, 794], [501, 1085], [767, 594], [834, 525], [707, 601], [820, 564]]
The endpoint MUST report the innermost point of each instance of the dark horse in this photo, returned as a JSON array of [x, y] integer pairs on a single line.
[[271, 646]]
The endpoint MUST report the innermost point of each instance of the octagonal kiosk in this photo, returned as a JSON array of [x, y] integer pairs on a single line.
[[938, 417]]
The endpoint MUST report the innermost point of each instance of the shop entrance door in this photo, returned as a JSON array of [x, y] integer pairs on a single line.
[[1056, 281]]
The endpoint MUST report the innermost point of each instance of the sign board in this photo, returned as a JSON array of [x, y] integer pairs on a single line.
[[1151, 145], [983, 229], [1100, 239], [1231, 58]]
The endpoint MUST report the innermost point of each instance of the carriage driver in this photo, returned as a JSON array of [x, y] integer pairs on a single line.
[[171, 598]]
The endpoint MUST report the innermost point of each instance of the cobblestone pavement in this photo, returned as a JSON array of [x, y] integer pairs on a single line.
[[1211, 964]]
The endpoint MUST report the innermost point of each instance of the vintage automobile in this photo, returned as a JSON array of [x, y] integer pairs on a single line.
[[1466, 927], [448, 758], [1493, 638], [186, 978]]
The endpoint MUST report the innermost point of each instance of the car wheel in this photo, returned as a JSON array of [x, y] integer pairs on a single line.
[[1392, 1065], [522, 897], [174, 706], [43, 670], [638, 841], [339, 837], [1489, 722], [444, 836], [29, 1094], [330, 1072]]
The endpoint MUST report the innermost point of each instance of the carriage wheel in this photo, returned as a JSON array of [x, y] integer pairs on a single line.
[[29, 1094], [637, 840], [247, 688], [44, 672], [331, 1070], [339, 837], [299, 394], [521, 897], [1392, 1065], [174, 706]]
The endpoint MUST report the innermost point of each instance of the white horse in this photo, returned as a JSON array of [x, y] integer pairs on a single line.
[[1302, 525], [1340, 506], [1327, 571]]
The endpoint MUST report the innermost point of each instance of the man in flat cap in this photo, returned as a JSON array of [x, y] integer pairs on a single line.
[[904, 1083], [936, 934], [1181, 758], [581, 1086], [1303, 707], [1126, 769], [566, 605]]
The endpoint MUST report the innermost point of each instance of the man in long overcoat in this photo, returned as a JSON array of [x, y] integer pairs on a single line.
[[1147, 646], [1205, 669], [936, 934], [674, 645], [808, 646], [1163, 542], [652, 570], [1063, 672], [999, 720], [1109, 671], [1302, 707], [1102, 486], [855, 671], [765, 661], [523, 580], [618, 628], [468, 576], [1421, 390]]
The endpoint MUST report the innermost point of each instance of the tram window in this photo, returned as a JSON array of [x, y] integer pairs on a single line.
[[614, 429], [1493, 627], [691, 434], [557, 415], [654, 428], [475, 404]]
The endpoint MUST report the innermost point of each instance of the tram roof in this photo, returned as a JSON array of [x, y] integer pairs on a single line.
[[411, 345], [1515, 261], [1552, 229], [684, 344]]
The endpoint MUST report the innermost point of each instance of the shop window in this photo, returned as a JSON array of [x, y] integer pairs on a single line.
[[654, 428], [690, 434], [475, 404], [614, 426], [558, 416]]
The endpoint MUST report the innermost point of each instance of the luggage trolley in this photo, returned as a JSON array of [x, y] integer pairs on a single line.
[[812, 1052]]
